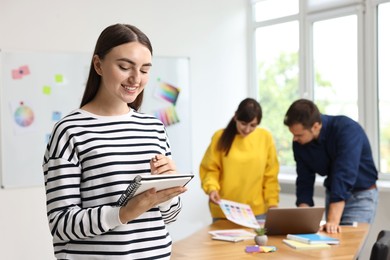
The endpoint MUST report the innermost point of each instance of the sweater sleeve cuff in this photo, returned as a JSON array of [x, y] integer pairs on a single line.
[[110, 217], [210, 189], [167, 204], [273, 202]]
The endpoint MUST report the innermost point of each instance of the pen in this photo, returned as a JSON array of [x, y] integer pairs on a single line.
[[154, 160]]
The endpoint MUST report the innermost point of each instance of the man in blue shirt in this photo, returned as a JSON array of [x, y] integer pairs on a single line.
[[338, 148]]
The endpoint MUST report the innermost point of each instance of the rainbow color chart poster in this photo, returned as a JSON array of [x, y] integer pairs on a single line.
[[239, 213], [167, 115], [167, 92], [168, 95]]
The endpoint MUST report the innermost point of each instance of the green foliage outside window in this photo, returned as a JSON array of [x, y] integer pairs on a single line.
[[278, 84]]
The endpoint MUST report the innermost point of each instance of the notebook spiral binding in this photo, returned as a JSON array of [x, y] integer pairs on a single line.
[[129, 192]]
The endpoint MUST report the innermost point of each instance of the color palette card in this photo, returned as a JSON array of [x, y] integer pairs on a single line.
[[239, 213]]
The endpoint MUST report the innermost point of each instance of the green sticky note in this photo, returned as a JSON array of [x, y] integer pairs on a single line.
[[46, 90], [59, 78]]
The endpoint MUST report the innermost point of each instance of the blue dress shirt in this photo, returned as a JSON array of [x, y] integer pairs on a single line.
[[342, 153]]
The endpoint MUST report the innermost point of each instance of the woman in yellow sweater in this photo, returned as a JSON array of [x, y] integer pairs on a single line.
[[241, 164]]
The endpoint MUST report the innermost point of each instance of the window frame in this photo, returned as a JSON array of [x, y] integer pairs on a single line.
[[368, 101]]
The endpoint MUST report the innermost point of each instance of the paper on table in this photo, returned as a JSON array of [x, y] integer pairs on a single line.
[[229, 239], [239, 213], [241, 234]]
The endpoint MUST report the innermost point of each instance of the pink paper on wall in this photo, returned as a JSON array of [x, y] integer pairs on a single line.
[[20, 72]]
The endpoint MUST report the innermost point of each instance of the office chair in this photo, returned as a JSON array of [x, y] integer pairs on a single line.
[[381, 248]]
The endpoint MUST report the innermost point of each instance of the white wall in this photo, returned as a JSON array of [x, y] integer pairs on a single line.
[[212, 34]]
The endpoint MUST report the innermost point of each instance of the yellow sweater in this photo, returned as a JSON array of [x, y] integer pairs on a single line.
[[249, 174]]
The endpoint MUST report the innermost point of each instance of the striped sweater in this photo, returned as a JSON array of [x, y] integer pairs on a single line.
[[88, 163]]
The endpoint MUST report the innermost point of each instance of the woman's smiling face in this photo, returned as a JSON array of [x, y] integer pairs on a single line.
[[124, 72]]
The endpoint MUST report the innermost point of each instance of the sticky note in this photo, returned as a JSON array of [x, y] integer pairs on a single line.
[[20, 72], [46, 90], [252, 249], [59, 78], [56, 116], [260, 249]]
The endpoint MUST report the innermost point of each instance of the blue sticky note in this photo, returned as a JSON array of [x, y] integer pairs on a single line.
[[56, 116]]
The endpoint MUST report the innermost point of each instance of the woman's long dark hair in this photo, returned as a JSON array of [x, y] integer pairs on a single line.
[[111, 37], [247, 110]]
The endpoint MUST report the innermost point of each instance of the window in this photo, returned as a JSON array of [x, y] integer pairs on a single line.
[[321, 50], [384, 85], [267, 10], [278, 77], [335, 89]]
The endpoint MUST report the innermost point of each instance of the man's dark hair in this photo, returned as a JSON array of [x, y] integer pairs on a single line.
[[302, 111]]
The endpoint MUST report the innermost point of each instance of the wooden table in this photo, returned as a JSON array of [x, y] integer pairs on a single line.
[[200, 246]]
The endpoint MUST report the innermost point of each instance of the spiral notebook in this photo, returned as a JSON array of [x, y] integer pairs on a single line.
[[145, 182]]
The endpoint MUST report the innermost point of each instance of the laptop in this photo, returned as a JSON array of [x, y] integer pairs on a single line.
[[283, 221]]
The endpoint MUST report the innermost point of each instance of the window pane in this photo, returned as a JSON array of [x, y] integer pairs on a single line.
[[335, 66], [315, 5], [384, 85], [271, 9], [278, 82]]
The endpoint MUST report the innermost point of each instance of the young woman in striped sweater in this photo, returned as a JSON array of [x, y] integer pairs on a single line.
[[96, 150]]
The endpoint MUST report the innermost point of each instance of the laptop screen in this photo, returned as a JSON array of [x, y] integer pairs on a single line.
[[283, 221]]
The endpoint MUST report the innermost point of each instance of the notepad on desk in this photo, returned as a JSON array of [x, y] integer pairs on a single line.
[[303, 246], [232, 235], [314, 238]]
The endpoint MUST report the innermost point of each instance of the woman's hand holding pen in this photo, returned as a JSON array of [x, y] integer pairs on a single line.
[[161, 164], [147, 200]]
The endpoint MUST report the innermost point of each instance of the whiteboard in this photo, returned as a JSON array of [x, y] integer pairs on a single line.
[[38, 88]]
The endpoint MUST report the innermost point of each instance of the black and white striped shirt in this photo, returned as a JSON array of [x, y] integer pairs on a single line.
[[89, 162]]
